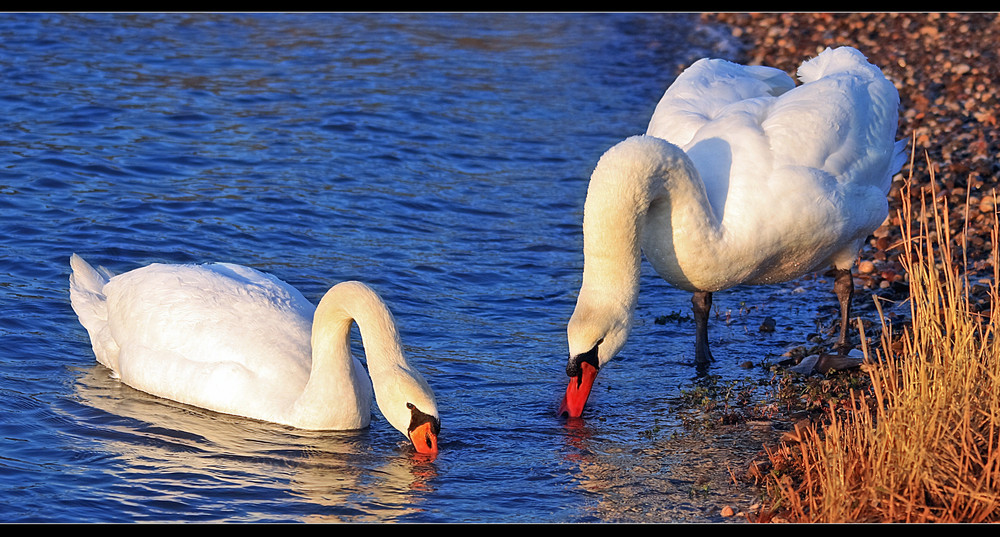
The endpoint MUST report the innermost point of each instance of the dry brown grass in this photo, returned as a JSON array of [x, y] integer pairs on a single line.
[[923, 444]]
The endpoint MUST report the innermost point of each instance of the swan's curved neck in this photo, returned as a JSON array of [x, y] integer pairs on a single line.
[[352, 302], [335, 380], [641, 178]]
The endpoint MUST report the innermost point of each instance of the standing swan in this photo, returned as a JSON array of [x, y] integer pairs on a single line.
[[231, 339], [741, 178]]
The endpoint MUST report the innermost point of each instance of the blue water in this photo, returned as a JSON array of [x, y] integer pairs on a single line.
[[443, 159]]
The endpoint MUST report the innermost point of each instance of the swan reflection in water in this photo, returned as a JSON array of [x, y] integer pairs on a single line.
[[169, 451]]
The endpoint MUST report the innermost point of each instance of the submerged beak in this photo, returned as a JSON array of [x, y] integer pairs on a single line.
[[578, 391], [424, 439]]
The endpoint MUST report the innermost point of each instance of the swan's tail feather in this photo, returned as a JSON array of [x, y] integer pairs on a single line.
[[86, 295], [832, 61], [86, 277]]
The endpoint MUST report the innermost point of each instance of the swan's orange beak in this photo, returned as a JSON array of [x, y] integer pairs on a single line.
[[578, 391], [424, 439]]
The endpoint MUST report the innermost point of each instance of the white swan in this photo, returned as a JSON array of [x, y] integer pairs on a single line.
[[741, 178], [231, 339]]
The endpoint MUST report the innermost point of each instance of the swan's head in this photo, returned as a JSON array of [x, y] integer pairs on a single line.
[[423, 430], [595, 335], [407, 403]]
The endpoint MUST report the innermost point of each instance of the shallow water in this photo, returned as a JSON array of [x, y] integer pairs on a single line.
[[443, 159]]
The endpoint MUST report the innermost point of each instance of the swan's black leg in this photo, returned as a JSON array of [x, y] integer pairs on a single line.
[[843, 285], [701, 303]]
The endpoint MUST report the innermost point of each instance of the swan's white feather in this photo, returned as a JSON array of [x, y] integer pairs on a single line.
[[796, 176]]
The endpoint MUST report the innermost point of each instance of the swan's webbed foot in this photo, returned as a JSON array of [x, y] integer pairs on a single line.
[[701, 304]]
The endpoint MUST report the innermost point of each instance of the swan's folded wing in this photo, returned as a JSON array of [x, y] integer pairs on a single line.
[[206, 315], [223, 386], [842, 120], [705, 90]]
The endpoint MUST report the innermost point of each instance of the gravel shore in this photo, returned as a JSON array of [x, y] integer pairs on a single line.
[[946, 67]]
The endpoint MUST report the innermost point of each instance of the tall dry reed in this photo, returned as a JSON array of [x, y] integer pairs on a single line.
[[923, 445]]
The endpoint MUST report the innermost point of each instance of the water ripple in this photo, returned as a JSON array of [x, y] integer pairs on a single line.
[[441, 158]]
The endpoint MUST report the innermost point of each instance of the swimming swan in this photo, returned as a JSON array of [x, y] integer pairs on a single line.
[[741, 178], [231, 339]]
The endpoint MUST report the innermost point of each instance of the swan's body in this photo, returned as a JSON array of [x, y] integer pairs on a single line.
[[234, 340], [741, 178]]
